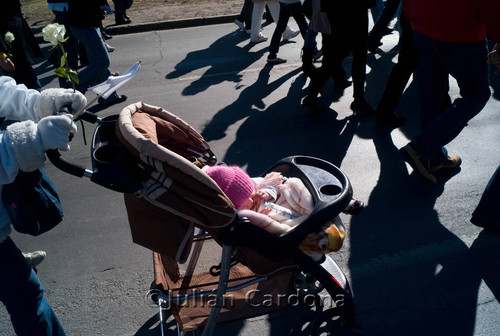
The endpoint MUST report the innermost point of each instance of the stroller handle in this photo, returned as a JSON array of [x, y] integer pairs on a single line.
[[66, 166]]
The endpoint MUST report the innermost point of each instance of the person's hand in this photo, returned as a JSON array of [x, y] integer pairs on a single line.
[[53, 101], [6, 64], [260, 196], [55, 132], [494, 58]]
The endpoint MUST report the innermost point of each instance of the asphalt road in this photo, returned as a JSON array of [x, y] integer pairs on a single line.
[[416, 264]]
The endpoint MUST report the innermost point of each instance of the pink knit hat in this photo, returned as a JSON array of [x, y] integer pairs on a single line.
[[234, 182]]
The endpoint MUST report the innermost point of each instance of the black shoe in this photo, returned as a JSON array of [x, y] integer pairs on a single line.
[[106, 102], [339, 86], [373, 46], [390, 120], [311, 102], [354, 208], [386, 31], [105, 35], [123, 21], [361, 106]]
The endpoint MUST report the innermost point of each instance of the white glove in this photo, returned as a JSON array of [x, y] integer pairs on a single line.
[[52, 101], [55, 131]]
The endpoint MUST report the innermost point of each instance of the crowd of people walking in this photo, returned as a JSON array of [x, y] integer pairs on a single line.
[[433, 44]]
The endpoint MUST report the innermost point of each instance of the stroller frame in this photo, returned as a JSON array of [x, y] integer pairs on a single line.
[[329, 187], [319, 271]]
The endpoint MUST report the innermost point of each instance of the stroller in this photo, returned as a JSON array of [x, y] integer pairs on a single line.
[[155, 159]]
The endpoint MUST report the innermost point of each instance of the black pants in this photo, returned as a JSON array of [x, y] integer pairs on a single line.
[[401, 72], [349, 32]]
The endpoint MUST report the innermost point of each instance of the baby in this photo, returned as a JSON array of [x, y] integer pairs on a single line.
[[276, 204]]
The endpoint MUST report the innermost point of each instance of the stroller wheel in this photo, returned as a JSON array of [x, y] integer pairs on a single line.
[[305, 284], [332, 322]]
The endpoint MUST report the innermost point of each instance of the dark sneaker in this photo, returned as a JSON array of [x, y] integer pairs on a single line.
[[311, 102], [109, 102], [417, 163], [361, 106], [390, 120], [450, 163], [341, 85], [275, 60], [354, 208]]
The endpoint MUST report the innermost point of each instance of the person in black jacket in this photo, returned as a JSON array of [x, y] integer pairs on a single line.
[[16, 59], [85, 18]]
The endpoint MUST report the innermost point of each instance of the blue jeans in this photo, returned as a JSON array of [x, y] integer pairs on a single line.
[[310, 38], [466, 62], [22, 294], [97, 71]]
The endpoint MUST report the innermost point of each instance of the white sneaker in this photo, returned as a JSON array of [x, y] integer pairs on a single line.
[[240, 24], [289, 34], [259, 38], [110, 48], [34, 258]]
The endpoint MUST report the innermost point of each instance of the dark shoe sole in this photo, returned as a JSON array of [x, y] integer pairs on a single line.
[[121, 99], [311, 104]]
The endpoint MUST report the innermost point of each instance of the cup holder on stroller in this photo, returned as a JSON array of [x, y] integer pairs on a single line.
[[107, 153], [330, 190], [112, 165]]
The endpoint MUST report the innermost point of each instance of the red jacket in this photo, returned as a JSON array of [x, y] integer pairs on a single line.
[[455, 20]]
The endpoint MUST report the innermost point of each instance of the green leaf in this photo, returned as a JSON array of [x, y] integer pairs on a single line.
[[61, 72], [63, 61], [74, 76]]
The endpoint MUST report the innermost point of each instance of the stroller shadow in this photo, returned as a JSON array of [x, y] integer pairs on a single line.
[[224, 59], [437, 291]]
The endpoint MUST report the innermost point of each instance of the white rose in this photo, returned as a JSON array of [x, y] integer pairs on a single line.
[[9, 37], [54, 33]]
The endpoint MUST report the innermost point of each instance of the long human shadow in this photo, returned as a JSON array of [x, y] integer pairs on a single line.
[[225, 61], [250, 101], [410, 275], [285, 128]]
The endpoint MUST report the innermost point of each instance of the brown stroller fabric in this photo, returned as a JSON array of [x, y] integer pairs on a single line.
[[177, 195], [253, 300]]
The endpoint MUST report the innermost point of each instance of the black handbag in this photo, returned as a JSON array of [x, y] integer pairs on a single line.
[[32, 202]]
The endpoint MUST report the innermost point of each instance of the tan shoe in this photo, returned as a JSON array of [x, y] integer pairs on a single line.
[[450, 163], [413, 158]]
